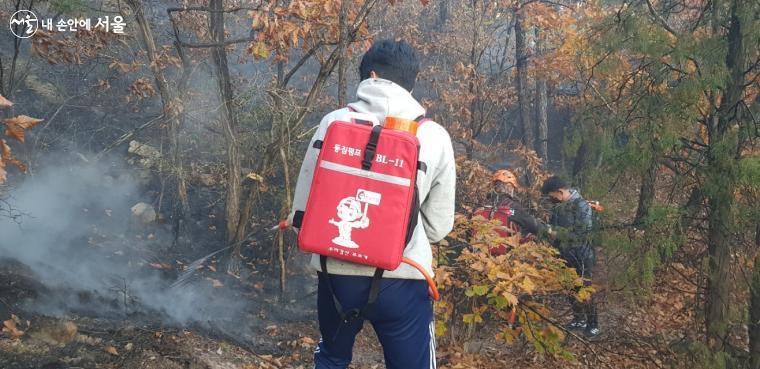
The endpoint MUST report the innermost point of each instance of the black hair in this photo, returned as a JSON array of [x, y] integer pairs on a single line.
[[552, 184], [395, 61]]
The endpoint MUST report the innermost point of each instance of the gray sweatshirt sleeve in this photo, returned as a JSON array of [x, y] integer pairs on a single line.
[[437, 209]]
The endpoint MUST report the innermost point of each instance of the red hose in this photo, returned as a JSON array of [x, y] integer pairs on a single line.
[[431, 283]]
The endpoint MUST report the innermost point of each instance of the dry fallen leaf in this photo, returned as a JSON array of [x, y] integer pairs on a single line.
[[14, 127], [160, 266], [5, 151], [307, 342], [103, 85], [11, 328], [112, 350], [5, 103], [255, 177], [3, 173], [67, 332], [215, 283]]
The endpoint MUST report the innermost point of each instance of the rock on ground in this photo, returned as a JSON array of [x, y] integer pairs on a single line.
[[143, 213]]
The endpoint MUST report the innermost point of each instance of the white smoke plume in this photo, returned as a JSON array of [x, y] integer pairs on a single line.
[[76, 235]]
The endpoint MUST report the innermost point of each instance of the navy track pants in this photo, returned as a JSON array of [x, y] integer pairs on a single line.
[[402, 318]]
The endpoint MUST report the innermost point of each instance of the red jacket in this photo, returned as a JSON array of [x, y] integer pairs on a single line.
[[514, 219]]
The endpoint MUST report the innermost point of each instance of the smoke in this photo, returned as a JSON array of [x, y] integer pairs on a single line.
[[77, 235]]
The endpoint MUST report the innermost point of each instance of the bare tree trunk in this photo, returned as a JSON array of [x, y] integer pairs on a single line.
[[523, 94], [542, 107], [470, 146], [646, 193], [343, 45], [229, 125], [469, 149], [173, 107], [579, 161], [9, 83], [542, 104], [692, 208]]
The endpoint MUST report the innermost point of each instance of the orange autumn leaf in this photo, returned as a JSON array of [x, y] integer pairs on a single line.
[[5, 103], [5, 154], [112, 350], [11, 328], [14, 127], [5, 151]]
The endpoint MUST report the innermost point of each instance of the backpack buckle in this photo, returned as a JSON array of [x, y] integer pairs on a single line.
[[369, 155], [351, 315]]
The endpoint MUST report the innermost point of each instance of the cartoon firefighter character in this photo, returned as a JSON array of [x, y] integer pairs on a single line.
[[351, 216]]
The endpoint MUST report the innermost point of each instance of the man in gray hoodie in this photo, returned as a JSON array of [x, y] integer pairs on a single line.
[[402, 314]]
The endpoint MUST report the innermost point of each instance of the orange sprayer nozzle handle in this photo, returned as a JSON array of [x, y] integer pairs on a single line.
[[431, 283], [596, 206], [282, 225]]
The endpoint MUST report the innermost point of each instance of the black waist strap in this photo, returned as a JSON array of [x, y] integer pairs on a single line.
[[356, 313]]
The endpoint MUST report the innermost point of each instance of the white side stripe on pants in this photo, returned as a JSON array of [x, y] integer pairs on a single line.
[[432, 345]]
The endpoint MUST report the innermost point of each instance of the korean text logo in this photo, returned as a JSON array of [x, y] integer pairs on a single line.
[[24, 23]]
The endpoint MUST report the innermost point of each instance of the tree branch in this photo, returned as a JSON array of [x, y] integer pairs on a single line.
[[300, 63], [660, 19]]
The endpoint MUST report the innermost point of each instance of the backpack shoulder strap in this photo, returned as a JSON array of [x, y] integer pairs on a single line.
[[358, 121], [422, 119]]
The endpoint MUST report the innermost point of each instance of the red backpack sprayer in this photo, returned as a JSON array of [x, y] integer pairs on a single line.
[[364, 169]]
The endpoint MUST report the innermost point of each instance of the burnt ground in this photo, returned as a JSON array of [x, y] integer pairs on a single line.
[[279, 334], [279, 330]]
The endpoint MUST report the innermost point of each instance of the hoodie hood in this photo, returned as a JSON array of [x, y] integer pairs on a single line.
[[381, 98], [574, 195]]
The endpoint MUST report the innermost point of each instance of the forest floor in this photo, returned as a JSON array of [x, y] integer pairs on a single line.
[[634, 337], [277, 330]]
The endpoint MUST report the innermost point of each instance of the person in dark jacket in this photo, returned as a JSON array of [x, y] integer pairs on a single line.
[[570, 232], [505, 208]]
